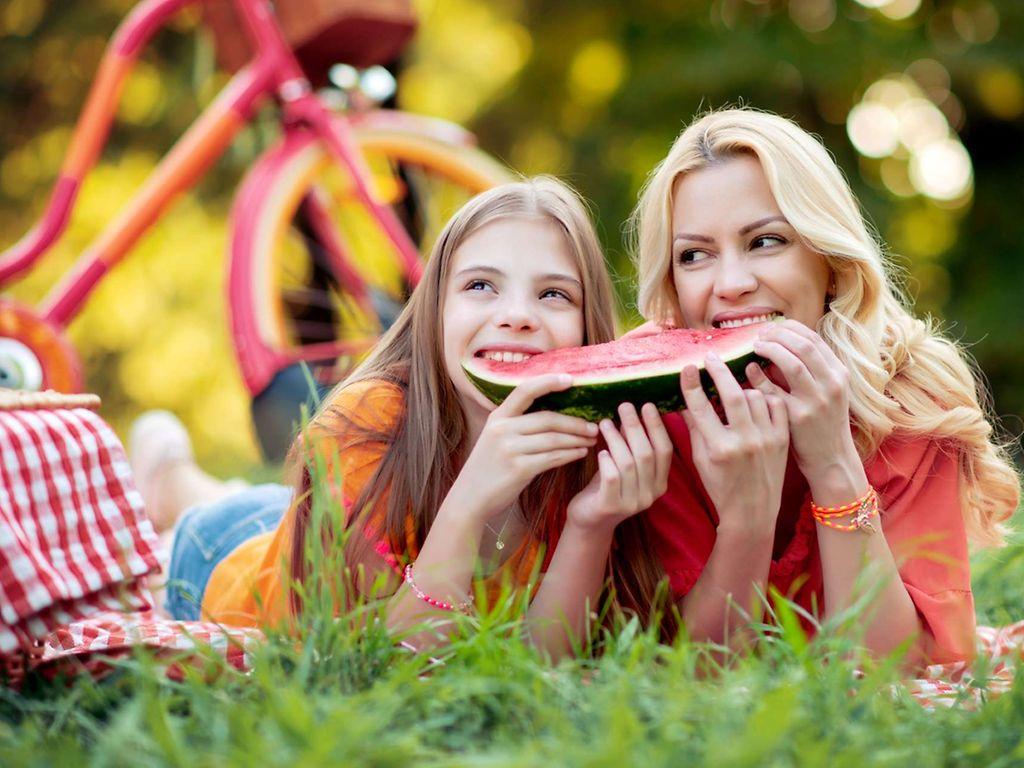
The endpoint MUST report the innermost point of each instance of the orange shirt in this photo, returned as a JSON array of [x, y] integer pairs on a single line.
[[249, 587], [918, 489]]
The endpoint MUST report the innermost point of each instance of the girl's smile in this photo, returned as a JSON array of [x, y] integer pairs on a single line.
[[513, 291]]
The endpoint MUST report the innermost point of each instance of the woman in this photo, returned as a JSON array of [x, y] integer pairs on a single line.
[[864, 458]]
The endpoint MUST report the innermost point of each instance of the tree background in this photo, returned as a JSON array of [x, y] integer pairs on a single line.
[[593, 91]]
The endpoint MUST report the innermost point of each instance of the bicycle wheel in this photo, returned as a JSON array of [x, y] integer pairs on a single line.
[[291, 299]]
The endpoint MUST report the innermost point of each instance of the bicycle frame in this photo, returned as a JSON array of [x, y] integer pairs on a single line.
[[273, 71]]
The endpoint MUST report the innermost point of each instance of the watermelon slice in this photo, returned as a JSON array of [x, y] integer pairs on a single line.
[[636, 370]]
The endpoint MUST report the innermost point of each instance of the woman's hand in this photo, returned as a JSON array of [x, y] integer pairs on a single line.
[[631, 474], [514, 446], [818, 396], [743, 460]]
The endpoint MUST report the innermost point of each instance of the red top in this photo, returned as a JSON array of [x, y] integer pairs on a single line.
[[917, 484]]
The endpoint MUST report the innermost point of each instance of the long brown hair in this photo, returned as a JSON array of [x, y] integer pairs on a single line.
[[423, 455]]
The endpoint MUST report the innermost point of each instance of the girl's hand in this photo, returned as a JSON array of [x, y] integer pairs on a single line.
[[514, 446], [818, 400], [632, 472], [743, 460]]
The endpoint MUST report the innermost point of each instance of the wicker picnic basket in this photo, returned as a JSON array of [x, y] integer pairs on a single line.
[[322, 32]]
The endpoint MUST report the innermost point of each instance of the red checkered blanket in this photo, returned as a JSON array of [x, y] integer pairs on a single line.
[[74, 538], [90, 644], [75, 543], [970, 684]]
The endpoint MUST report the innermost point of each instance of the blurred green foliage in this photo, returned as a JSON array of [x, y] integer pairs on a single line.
[[593, 91]]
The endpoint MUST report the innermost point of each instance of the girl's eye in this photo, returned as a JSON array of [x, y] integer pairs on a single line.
[[767, 241], [478, 285], [692, 256], [558, 294]]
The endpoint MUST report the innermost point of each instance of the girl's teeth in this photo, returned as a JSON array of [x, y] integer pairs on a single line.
[[507, 357]]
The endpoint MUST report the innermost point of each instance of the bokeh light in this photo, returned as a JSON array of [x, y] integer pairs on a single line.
[[896, 177], [942, 170], [812, 15], [976, 21], [21, 17], [873, 129], [596, 72], [920, 123], [900, 9], [920, 152], [1001, 91], [893, 9]]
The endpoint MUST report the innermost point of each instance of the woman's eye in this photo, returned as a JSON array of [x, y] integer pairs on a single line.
[[767, 241], [692, 256]]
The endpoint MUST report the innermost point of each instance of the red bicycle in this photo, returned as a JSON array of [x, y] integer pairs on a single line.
[[343, 193]]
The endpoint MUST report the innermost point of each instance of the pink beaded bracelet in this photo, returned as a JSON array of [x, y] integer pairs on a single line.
[[441, 604]]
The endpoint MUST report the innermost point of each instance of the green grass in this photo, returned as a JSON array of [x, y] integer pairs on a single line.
[[344, 695]]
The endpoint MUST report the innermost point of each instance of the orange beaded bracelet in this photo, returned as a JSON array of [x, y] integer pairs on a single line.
[[862, 510]]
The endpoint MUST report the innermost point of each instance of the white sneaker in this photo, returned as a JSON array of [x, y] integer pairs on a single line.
[[157, 442]]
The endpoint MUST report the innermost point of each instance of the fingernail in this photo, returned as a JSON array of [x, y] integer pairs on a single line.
[[591, 428], [713, 357], [758, 344]]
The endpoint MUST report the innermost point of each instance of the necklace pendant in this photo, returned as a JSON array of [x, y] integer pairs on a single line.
[[499, 544]]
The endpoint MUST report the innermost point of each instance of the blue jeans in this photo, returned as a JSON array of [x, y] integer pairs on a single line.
[[207, 533]]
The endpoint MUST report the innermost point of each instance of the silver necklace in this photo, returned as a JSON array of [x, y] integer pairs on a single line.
[[499, 541]]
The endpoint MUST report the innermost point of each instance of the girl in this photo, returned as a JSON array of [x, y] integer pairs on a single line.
[[437, 482], [865, 445]]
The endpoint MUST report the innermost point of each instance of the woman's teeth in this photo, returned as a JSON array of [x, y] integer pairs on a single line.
[[740, 322], [506, 357]]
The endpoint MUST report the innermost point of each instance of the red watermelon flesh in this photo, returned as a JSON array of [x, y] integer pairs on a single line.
[[638, 370]]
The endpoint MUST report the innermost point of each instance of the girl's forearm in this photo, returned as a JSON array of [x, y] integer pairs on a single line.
[[443, 570], [560, 612], [728, 594]]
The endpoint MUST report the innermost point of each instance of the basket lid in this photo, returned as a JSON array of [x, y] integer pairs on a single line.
[[20, 400]]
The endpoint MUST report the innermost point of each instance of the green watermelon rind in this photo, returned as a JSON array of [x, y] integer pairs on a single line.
[[595, 401]]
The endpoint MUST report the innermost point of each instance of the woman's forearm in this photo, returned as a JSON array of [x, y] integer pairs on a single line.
[[854, 563], [728, 594], [859, 563], [560, 612]]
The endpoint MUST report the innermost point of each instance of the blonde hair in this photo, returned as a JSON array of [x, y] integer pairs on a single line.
[[424, 454], [904, 376]]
